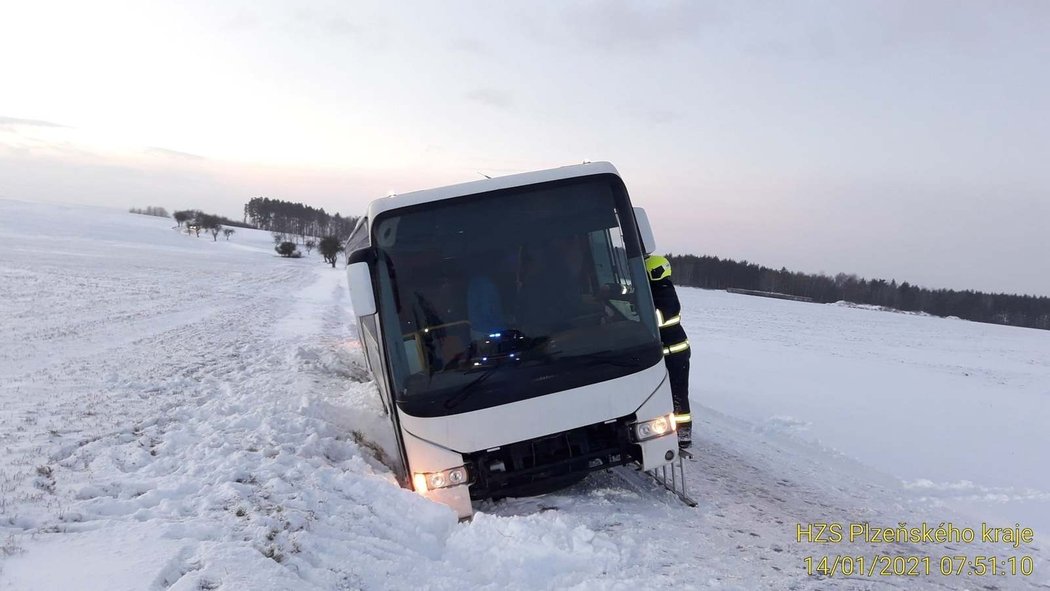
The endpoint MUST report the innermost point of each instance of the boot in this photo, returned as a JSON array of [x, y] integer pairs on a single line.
[[685, 435]]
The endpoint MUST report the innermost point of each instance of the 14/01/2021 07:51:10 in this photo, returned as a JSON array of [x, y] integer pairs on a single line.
[[886, 565]]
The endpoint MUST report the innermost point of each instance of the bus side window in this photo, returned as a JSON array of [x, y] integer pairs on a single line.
[[600, 249]]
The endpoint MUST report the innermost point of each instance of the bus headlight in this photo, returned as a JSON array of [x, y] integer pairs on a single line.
[[653, 428], [424, 481]]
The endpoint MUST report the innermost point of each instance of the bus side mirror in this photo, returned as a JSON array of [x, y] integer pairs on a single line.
[[645, 231], [359, 275]]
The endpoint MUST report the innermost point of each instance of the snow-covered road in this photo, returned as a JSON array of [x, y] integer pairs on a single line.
[[182, 414]]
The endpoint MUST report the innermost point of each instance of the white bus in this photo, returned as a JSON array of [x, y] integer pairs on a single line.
[[510, 328]]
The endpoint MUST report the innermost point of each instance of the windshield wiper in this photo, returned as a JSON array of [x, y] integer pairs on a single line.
[[470, 388], [529, 346]]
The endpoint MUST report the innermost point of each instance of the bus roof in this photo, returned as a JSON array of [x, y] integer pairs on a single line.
[[481, 186]]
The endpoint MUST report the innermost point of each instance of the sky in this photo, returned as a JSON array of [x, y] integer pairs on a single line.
[[892, 139]]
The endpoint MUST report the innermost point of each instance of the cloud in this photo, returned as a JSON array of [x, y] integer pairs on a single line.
[[172, 153], [329, 22], [491, 97], [469, 45], [243, 20], [661, 116], [631, 26], [10, 123]]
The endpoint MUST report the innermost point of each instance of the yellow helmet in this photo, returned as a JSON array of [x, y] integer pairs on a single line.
[[657, 267]]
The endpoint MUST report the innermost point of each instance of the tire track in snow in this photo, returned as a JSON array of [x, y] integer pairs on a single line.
[[752, 493], [87, 414]]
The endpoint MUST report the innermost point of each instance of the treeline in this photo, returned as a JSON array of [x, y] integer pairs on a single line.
[[296, 219], [715, 273], [196, 215], [151, 210]]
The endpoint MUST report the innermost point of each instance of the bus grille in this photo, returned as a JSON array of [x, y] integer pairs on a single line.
[[547, 463]]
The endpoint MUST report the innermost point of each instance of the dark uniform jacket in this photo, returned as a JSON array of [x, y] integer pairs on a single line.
[[666, 300]]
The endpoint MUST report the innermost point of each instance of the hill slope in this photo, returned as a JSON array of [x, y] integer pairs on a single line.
[[185, 414]]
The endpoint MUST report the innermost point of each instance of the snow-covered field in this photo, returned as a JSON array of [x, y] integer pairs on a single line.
[[959, 411], [178, 413]]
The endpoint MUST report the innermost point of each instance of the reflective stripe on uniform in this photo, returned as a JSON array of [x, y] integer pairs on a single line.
[[670, 321], [683, 418], [676, 348]]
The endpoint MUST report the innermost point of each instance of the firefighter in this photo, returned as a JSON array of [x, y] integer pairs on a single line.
[[676, 345]]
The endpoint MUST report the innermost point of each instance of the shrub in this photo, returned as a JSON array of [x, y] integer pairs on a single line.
[[287, 249]]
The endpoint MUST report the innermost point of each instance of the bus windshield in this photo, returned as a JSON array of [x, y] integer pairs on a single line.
[[498, 297]]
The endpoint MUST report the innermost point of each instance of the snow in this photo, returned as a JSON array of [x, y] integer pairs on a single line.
[[178, 413], [892, 391], [874, 308]]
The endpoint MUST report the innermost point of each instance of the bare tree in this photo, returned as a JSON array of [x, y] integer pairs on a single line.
[[211, 224], [330, 249], [227, 232]]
